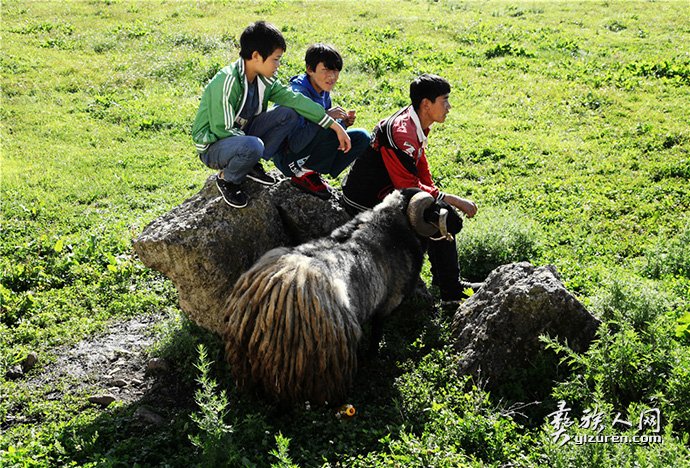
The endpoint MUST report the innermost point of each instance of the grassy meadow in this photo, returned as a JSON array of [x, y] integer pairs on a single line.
[[570, 128]]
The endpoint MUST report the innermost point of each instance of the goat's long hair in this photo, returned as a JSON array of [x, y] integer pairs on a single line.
[[293, 321], [290, 331]]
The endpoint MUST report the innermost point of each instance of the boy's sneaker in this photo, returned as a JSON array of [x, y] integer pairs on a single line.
[[312, 183], [231, 193], [461, 292], [257, 174], [453, 296]]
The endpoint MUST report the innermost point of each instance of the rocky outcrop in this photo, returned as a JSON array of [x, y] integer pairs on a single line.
[[203, 245], [497, 329]]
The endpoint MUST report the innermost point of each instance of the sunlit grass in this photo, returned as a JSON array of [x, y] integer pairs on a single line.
[[569, 129]]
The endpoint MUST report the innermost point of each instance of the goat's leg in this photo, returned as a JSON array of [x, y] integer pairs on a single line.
[[376, 335]]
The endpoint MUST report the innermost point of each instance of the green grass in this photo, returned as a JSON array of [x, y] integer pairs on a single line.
[[569, 129]]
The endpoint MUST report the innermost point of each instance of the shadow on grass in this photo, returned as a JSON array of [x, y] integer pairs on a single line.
[[154, 430]]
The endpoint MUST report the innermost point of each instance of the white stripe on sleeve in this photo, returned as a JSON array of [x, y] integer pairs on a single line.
[[227, 109]]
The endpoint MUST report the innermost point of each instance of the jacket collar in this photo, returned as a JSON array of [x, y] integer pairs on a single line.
[[260, 87], [303, 82], [421, 134], [243, 76]]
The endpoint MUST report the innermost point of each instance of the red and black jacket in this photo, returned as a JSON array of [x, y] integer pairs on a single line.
[[395, 160]]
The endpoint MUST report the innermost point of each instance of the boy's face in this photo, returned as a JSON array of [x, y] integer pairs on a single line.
[[323, 79], [438, 110], [270, 66]]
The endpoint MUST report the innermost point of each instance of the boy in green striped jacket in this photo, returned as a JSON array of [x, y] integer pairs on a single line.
[[233, 129]]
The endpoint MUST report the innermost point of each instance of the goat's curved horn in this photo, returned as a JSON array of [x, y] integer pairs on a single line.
[[443, 224], [415, 213]]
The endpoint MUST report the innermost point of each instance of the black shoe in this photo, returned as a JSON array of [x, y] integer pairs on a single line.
[[232, 194], [461, 292], [456, 295], [257, 174]]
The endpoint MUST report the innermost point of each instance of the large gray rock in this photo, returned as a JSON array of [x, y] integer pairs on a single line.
[[204, 245], [497, 329]]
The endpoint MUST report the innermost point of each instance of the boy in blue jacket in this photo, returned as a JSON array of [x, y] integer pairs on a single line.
[[311, 151], [233, 129]]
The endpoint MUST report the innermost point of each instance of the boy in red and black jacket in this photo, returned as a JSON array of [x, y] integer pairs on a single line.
[[397, 160]]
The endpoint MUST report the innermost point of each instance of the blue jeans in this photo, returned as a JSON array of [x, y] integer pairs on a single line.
[[317, 149], [304, 134], [237, 155]]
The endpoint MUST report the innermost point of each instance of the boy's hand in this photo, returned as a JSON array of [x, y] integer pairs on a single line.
[[350, 119], [343, 137], [337, 112], [466, 206]]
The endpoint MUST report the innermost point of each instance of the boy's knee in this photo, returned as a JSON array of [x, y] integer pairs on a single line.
[[258, 146], [285, 115], [253, 148], [359, 136]]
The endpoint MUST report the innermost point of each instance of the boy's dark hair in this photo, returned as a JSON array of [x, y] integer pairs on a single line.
[[429, 87], [318, 53], [261, 37]]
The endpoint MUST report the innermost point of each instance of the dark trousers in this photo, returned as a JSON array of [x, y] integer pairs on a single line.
[[321, 154], [445, 272]]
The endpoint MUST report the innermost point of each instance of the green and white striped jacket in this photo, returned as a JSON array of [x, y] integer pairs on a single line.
[[224, 98]]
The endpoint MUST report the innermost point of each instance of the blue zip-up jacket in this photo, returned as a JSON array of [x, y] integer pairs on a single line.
[[301, 84]]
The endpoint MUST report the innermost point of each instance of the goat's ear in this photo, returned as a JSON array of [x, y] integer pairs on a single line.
[[452, 219], [432, 213], [408, 193]]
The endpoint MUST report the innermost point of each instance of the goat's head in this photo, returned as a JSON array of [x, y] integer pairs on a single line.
[[429, 217]]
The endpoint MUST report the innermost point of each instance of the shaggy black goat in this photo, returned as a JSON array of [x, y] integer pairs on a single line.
[[294, 320]]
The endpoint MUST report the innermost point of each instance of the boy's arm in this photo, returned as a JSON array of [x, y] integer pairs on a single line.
[[466, 206], [423, 172], [403, 171], [284, 96], [337, 112], [343, 138], [210, 122], [310, 110]]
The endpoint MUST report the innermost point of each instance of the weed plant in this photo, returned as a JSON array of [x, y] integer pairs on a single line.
[[214, 436], [569, 129], [496, 237]]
